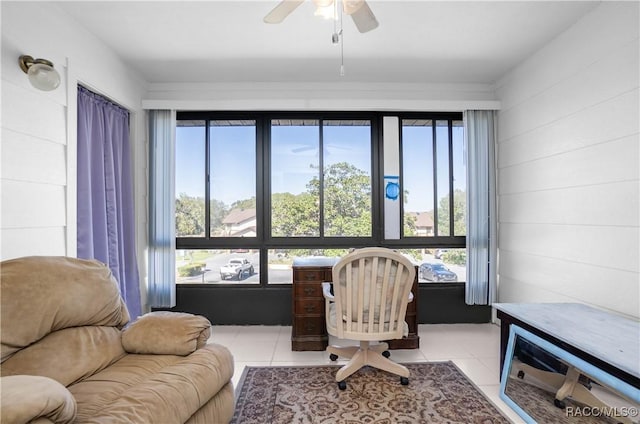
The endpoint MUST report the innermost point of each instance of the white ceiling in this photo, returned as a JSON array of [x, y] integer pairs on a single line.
[[416, 42]]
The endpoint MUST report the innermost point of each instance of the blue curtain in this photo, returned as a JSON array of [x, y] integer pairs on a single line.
[[481, 285], [106, 226], [162, 217]]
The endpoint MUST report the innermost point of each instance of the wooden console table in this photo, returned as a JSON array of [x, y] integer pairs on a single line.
[[309, 330], [607, 341]]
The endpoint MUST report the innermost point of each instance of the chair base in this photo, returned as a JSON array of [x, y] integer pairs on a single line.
[[364, 355]]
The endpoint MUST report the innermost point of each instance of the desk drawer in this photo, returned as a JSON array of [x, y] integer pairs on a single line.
[[310, 275], [302, 290], [308, 307], [309, 325]]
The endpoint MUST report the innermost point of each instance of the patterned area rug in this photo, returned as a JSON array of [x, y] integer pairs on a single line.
[[438, 392]]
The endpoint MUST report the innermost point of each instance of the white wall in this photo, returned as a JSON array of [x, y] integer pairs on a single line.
[[38, 177], [568, 167], [320, 96]]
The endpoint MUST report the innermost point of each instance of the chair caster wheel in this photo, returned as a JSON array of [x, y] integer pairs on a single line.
[[333, 357], [386, 353], [404, 381], [342, 385], [521, 374], [560, 404]]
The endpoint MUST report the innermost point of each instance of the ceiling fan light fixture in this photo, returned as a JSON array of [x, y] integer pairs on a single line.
[[323, 3], [351, 6], [325, 12]]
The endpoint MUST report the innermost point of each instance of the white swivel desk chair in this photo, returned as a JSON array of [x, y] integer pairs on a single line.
[[371, 290]]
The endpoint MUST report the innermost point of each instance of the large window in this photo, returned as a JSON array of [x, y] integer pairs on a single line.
[[434, 180], [254, 191], [320, 178]]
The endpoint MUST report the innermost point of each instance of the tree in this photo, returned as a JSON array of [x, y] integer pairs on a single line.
[[294, 215], [459, 214], [189, 216], [347, 206], [218, 211], [409, 227], [244, 204], [347, 200]]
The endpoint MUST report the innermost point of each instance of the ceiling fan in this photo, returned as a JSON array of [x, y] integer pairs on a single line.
[[359, 11]]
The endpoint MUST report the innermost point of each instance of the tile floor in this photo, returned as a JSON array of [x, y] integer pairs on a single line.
[[474, 348]]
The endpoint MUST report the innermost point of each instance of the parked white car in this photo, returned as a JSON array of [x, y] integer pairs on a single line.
[[236, 268]]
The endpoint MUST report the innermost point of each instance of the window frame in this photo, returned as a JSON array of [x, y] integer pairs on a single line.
[[436, 241], [263, 242]]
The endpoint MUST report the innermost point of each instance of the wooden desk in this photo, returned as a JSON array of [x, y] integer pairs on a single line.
[[607, 341], [309, 330]]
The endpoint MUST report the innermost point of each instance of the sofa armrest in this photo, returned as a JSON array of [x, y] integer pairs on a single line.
[[166, 333], [31, 398]]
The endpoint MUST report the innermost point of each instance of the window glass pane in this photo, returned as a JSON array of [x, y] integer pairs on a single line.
[[218, 266], [295, 167], [443, 266], [281, 261], [417, 177], [280, 271], [459, 180], [442, 178], [347, 178], [232, 178], [190, 178]]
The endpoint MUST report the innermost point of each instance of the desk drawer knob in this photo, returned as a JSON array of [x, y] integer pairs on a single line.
[[309, 308], [309, 291]]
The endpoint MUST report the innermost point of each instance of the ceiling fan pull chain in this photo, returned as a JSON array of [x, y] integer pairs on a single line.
[[341, 44]]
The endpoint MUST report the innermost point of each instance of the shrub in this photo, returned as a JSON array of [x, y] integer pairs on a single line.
[[456, 257], [191, 269]]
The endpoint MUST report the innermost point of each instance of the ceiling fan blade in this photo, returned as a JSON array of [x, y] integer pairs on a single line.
[[281, 11], [363, 17]]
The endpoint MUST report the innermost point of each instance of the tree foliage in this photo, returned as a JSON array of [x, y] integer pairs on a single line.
[[347, 200], [218, 211], [294, 215], [459, 214], [189, 216], [347, 209]]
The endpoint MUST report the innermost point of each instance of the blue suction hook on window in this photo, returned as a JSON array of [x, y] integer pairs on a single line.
[[392, 188]]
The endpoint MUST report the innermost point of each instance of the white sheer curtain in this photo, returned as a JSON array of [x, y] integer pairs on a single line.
[[162, 239], [481, 285]]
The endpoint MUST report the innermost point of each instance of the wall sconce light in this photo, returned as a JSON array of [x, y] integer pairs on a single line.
[[41, 72]]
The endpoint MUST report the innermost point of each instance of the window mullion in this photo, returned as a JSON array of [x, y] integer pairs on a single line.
[[321, 177], [434, 144], [451, 193], [207, 182]]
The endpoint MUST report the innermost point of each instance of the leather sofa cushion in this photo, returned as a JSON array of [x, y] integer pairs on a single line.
[[153, 388], [166, 333], [44, 294], [30, 398], [68, 355]]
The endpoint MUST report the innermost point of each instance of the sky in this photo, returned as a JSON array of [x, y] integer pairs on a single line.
[[295, 149]]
